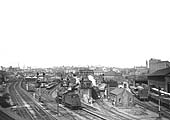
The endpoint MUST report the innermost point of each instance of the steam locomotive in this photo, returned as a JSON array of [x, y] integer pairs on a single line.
[[69, 98], [142, 93]]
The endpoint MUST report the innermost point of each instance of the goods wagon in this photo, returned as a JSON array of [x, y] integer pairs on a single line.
[[143, 94], [140, 92]]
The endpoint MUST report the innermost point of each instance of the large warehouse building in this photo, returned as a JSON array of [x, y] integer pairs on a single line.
[[160, 78]]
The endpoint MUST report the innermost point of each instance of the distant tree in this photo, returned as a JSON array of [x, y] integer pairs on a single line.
[[6, 96]]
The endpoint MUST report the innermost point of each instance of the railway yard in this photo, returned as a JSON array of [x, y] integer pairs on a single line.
[[52, 101]]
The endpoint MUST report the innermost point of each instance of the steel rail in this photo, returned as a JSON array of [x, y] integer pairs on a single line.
[[95, 114], [83, 115], [117, 114], [23, 112], [43, 114], [4, 116], [153, 108]]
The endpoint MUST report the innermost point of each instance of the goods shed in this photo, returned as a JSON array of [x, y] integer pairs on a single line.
[[160, 78]]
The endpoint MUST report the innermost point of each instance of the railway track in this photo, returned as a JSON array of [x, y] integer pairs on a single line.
[[94, 115], [90, 114], [87, 113], [114, 113], [4, 116], [33, 110], [50, 106], [40, 114], [20, 108], [84, 114], [150, 107], [75, 114]]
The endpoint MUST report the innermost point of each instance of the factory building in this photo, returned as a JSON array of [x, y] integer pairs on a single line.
[[160, 78], [157, 64]]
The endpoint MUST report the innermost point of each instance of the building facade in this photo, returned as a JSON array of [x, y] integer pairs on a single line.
[[85, 72], [160, 78], [157, 64]]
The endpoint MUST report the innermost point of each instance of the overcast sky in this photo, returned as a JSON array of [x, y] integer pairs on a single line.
[[120, 33]]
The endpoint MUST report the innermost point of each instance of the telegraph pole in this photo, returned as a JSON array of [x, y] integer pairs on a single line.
[[159, 109], [108, 92], [57, 101]]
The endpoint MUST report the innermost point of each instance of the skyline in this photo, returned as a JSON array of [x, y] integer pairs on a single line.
[[146, 65], [120, 34]]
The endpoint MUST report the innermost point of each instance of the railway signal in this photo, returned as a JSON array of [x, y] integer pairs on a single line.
[[38, 84]]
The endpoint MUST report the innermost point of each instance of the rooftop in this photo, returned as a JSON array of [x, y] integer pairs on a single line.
[[162, 72]]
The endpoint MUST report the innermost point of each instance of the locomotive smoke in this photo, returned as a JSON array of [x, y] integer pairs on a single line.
[[91, 78], [77, 80]]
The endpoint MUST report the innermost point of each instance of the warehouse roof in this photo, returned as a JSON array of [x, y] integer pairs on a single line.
[[162, 72]]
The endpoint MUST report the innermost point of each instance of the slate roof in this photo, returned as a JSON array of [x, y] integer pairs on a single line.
[[117, 91], [162, 72]]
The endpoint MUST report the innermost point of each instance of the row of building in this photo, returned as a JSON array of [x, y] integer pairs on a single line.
[[156, 75]]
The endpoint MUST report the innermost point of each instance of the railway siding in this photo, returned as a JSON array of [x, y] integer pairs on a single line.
[[38, 109], [18, 112], [10, 115], [153, 108]]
